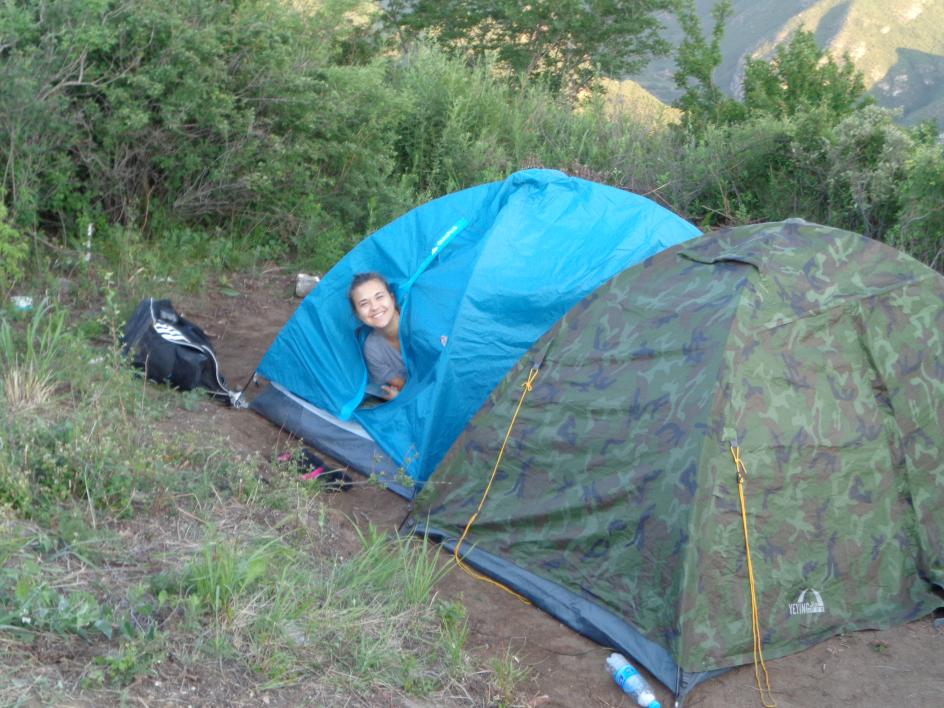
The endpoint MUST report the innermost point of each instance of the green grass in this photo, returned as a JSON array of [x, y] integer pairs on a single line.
[[367, 621], [509, 674], [28, 363], [139, 552]]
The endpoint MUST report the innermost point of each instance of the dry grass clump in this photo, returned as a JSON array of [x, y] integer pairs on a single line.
[[28, 363]]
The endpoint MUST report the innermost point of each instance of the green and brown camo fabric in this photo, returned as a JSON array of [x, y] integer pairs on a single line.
[[820, 352]]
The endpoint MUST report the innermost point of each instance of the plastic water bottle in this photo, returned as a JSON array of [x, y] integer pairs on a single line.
[[631, 681]]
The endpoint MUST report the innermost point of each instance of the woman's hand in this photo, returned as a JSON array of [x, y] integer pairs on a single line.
[[393, 387]]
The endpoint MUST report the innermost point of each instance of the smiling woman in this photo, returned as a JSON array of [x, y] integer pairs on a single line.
[[375, 306]]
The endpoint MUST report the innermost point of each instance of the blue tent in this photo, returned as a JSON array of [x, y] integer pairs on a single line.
[[480, 275]]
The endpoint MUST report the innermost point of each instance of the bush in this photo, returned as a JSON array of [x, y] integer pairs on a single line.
[[919, 229], [764, 169], [232, 132], [149, 114], [867, 158], [462, 126], [13, 250]]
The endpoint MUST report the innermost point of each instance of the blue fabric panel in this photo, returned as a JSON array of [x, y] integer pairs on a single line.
[[535, 244]]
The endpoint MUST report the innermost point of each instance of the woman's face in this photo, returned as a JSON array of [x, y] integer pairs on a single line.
[[373, 304]]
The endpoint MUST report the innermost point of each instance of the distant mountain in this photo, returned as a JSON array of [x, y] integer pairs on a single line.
[[627, 98], [898, 45]]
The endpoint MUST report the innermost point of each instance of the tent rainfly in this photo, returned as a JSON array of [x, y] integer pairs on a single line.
[[813, 355], [480, 275]]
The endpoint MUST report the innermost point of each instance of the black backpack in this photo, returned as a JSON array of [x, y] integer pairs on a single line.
[[171, 349]]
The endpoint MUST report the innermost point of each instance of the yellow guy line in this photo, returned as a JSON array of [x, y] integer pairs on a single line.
[[526, 388], [766, 695]]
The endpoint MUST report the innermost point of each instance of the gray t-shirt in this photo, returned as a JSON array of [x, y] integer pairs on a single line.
[[384, 363]]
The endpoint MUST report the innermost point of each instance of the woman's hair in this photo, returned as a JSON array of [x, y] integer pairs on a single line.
[[362, 278]]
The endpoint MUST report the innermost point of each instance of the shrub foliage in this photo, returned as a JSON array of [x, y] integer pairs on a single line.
[[209, 129]]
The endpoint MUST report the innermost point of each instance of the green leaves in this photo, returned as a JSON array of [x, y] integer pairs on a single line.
[[229, 133], [703, 103], [41, 608], [209, 114], [800, 77], [566, 44], [14, 249]]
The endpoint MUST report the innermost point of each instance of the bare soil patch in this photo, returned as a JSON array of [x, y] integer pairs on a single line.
[[899, 666]]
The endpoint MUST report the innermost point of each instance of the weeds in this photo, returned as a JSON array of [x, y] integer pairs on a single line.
[[455, 634], [369, 620], [222, 573], [29, 362], [130, 546], [422, 569], [508, 675], [42, 593], [119, 667], [39, 607]]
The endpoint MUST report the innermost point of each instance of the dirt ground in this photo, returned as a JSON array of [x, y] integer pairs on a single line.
[[901, 666]]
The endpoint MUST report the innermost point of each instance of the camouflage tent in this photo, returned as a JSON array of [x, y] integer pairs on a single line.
[[818, 353]]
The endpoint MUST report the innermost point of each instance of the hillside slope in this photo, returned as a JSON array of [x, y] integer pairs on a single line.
[[899, 47]]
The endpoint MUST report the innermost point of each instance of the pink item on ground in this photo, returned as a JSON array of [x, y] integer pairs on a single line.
[[313, 473]]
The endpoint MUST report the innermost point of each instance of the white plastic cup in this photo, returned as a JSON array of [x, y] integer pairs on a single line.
[[305, 283]]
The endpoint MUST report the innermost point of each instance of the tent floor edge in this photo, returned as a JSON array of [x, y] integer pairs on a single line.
[[577, 612], [344, 441]]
